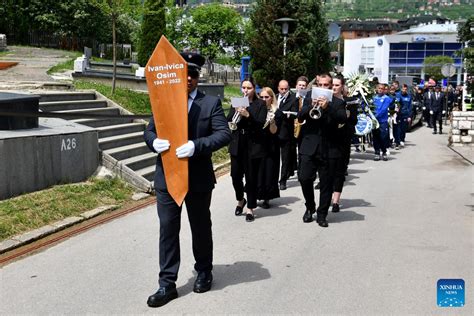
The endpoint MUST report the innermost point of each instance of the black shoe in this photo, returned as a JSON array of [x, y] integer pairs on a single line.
[[162, 296], [240, 209], [282, 185], [308, 216], [249, 217], [322, 223], [335, 208], [440, 132], [265, 204], [317, 186], [384, 157], [376, 157], [203, 282], [434, 132]]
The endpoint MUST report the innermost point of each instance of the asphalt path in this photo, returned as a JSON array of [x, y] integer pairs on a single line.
[[403, 225], [33, 63]]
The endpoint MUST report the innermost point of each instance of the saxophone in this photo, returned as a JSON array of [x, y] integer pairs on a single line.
[[297, 124]]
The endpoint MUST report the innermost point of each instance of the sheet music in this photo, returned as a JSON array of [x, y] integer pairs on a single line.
[[239, 102], [320, 92]]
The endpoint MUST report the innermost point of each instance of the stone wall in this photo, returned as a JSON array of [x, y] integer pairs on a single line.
[[462, 129]]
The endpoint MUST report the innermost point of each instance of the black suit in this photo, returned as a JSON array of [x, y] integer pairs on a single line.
[[286, 137], [208, 129], [247, 149], [427, 100], [438, 105], [316, 149]]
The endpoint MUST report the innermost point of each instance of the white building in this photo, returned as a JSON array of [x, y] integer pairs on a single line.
[[403, 53]]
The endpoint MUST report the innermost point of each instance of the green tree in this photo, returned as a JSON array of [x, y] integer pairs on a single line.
[[466, 36], [153, 26], [175, 17], [213, 27], [432, 66], [307, 44]]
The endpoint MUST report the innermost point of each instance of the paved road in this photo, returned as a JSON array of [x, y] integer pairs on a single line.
[[404, 224], [33, 63]]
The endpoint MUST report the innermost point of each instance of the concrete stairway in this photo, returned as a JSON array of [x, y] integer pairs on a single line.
[[120, 140]]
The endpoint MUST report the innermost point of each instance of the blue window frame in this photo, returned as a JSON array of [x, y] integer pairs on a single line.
[[397, 61], [416, 46], [398, 46], [416, 54], [434, 46], [434, 53], [452, 46], [398, 54]]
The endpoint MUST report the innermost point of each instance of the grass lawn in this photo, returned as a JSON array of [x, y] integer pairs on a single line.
[[33, 210], [67, 65]]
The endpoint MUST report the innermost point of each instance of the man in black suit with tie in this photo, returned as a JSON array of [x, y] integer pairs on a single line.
[[315, 150], [286, 103], [437, 109], [207, 132]]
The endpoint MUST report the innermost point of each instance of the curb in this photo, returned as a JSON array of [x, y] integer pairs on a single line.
[[453, 148], [34, 235]]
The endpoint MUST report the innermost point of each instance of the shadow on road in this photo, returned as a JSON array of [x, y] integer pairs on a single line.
[[345, 216], [230, 274], [352, 171], [349, 203]]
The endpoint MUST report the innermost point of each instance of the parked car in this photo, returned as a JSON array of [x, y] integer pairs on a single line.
[[416, 115]]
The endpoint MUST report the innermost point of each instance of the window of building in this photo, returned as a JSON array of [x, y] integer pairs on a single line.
[[367, 55], [398, 46], [434, 46]]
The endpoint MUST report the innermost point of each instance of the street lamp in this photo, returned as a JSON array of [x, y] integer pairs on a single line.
[[285, 25]]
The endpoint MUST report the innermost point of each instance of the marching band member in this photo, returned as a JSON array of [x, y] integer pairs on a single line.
[[269, 170], [314, 149], [288, 103], [343, 139], [247, 148]]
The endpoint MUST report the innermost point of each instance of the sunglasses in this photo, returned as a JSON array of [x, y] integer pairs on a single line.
[[265, 96]]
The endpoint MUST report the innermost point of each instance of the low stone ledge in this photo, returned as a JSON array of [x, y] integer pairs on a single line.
[[97, 211]]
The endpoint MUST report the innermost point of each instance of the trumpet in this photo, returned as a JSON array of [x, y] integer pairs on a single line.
[[270, 117], [315, 113], [235, 120]]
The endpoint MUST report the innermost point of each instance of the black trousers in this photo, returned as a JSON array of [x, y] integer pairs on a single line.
[[199, 214], [288, 158], [238, 167], [307, 168], [437, 117], [427, 117], [337, 168]]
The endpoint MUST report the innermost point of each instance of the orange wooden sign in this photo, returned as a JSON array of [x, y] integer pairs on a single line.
[[166, 77]]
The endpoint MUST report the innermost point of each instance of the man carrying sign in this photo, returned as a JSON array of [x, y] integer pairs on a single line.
[[207, 132]]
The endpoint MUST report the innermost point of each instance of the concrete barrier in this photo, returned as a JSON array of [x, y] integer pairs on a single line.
[[57, 152]]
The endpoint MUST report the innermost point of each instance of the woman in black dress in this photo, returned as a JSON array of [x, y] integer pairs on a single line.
[[270, 168], [247, 148]]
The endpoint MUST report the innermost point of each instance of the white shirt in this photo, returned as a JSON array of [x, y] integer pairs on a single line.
[[191, 98]]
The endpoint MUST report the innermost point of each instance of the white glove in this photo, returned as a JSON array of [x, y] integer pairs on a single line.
[[424, 108], [431, 112], [444, 112], [186, 150], [161, 145]]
